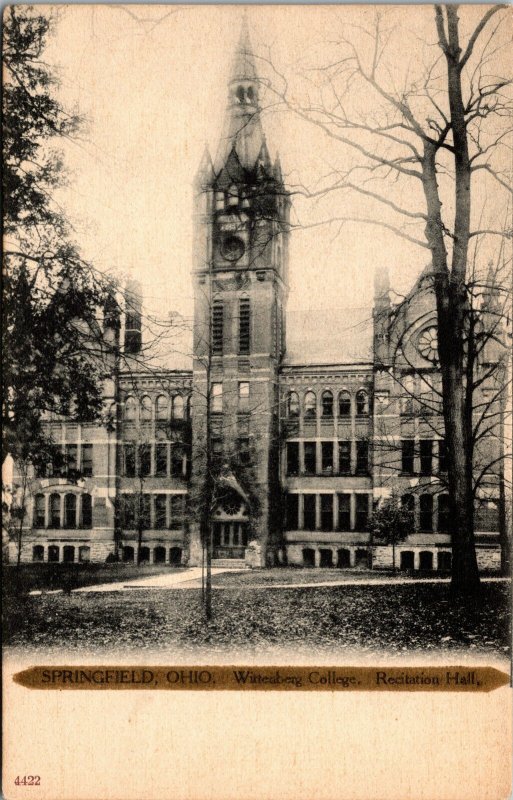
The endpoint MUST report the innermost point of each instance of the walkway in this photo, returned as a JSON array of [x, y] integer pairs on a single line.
[[191, 579], [167, 580]]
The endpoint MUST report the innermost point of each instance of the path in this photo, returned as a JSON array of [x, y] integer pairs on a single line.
[[167, 580]]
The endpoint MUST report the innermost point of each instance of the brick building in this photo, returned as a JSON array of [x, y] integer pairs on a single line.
[[313, 420]]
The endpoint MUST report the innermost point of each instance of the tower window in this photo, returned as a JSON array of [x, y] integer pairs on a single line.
[[219, 201], [217, 328], [244, 326], [233, 196], [217, 398], [240, 94]]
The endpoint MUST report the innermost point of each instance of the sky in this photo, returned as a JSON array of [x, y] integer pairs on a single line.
[[151, 83]]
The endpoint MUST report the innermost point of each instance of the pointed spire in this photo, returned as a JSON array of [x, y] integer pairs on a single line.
[[205, 173], [243, 127]]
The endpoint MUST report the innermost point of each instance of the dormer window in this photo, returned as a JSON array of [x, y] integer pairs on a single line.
[[219, 201], [233, 196]]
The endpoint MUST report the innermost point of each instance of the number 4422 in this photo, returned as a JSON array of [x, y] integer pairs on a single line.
[[27, 780]]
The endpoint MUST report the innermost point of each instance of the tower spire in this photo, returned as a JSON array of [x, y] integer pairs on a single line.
[[243, 132]]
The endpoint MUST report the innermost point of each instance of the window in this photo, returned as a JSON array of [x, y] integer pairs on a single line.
[[426, 512], [442, 455], [443, 513], [87, 511], [68, 553], [244, 453], [362, 512], [310, 405], [217, 398], [177, 460], [327, 404], [327, 457], [233, 196], [344, 404], [217, 448], [326, 512], [344, 512], [217, 328], [362, 403], [177, 511], [145, 460], [71, 458], [38, 553], [56, 465], [161, 460], [130, 409], [145, 409], [178, 407], [70, 510], [309, 512], [292, 458], [292, 512], [54, 552], [162, 408], [362, 457], [219, 201], [293, 404], [39, 511], [244, 326], [407, 456], [244, 396], [129, 460], [344, 458], [127, 503], [310, 458], [160, 511], [408, 505], [426, 457], [87, 460], [145, 511], [55, 511], [84, 553], [408, 388]]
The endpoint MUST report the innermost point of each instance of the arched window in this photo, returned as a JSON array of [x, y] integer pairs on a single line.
[[38, 553], [146, 409], [70, 510], [87, 511], [130, 409], [55, 511], [39, 511], [233, 195], [84, 553], [240, 94], [344, 404], [68, 553], [250, 94], [310, 405], [327, 404], [178, 406], [362, 403], [162, 408], [293, 404]]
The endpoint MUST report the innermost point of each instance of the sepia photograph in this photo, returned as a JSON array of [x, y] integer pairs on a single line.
[[257, 343]]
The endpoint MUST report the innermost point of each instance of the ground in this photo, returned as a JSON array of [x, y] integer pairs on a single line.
[[336, 620]]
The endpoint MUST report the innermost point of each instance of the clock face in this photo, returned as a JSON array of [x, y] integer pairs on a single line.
[[428, 344], [232, 248]]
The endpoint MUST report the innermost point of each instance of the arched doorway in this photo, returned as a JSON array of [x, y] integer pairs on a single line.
[[231, 524]]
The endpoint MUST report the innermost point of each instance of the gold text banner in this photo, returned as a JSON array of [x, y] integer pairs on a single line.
[[243, 678]]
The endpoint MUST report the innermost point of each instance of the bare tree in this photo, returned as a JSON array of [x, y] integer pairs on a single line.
[[433, 137]]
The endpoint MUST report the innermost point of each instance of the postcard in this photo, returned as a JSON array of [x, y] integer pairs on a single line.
[[257, 411]]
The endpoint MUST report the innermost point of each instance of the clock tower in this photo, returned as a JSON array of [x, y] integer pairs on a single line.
[[240, 292]]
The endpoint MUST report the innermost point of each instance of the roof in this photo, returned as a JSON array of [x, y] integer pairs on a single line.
[[329, 336]]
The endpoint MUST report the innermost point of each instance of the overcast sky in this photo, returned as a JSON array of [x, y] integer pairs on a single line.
[[152, 84]]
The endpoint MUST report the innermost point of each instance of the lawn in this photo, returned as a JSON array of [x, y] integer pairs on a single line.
[[27, 577], [292, 575], [334, 620]]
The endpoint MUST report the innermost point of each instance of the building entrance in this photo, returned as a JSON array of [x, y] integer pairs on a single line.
[[230, 539]]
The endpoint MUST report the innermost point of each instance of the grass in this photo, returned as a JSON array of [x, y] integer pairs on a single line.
[[20, 580], [292, 575], [337, 620]]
